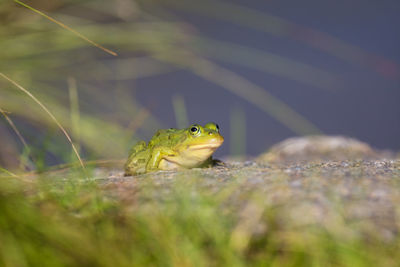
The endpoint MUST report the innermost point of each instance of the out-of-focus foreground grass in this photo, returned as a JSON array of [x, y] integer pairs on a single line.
[[74, 222]]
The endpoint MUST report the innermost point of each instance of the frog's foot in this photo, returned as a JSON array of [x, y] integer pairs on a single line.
[[212, 163], [134, 170], [126, 174], [217, 162]]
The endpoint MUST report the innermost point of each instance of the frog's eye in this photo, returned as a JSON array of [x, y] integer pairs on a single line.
[[212, 126], [195, 130]]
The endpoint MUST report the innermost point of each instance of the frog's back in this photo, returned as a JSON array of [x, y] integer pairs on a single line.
[[166, 137], [158, 137], [138, 147]]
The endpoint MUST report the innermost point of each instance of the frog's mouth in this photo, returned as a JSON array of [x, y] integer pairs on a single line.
[[211, 146]]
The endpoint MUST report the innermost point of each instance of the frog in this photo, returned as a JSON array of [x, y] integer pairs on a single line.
[[175, 149]]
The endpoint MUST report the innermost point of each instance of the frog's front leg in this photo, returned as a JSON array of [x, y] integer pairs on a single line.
[[157, 154]]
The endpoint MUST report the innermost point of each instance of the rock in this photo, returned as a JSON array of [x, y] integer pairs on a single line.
[[308, 148], [352, 197]]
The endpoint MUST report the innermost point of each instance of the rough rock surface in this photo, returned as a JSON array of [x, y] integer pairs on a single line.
[[352, 196]]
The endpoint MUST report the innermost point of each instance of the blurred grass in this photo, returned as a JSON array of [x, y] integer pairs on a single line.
[[181, 223], [238, 129], [178, 103]]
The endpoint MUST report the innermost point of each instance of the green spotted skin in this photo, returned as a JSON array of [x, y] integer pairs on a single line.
[[175, 149]]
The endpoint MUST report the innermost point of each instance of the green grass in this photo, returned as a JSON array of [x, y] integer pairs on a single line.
[[59, 221]]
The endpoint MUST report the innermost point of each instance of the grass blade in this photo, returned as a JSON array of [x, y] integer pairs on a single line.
[[21, 138], [178, 103], [68, 28], [8, 172], [51, 116]]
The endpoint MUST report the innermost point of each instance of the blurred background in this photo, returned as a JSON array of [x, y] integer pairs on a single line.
[[263, 70]]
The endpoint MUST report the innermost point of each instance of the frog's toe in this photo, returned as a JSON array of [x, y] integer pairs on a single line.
[[217, 162]]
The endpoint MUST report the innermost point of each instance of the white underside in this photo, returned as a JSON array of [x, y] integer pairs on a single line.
[[190, 158]]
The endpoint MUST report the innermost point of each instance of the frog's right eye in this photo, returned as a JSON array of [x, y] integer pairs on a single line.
[[195, 129]]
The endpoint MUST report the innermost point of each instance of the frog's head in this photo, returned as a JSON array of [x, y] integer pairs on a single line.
[[200, 143]]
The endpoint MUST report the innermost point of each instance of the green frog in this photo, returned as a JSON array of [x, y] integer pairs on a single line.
[[175, 149]]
